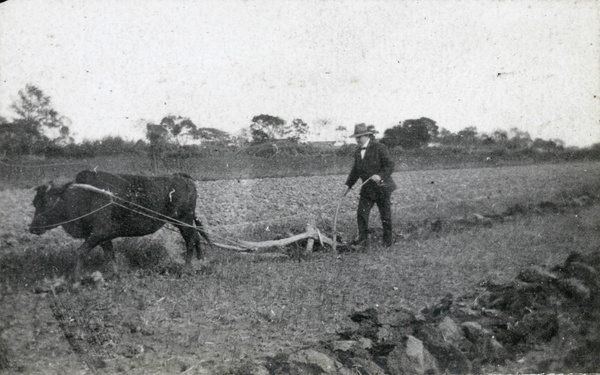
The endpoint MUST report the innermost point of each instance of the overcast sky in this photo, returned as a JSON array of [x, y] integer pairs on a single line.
[[534, 65]]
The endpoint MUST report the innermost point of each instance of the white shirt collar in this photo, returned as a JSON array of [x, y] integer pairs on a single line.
[[363, 149]]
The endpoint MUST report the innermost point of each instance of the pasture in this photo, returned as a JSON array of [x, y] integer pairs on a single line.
[[238, 309]]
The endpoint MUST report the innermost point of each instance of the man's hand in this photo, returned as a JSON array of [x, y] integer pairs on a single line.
[[376, 178]]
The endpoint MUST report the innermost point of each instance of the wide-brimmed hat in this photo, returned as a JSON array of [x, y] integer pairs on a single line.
[[362, 129]]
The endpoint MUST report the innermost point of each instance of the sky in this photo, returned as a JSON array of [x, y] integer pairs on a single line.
[[111, 66]]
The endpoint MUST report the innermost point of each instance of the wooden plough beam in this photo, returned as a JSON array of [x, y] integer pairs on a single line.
[[312, 234]]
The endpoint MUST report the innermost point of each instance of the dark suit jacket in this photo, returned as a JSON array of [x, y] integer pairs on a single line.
[[377, 161]]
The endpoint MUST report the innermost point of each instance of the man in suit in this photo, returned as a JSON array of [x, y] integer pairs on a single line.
[[373, 165]]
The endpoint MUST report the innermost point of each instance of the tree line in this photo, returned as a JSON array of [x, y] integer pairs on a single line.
[[38, 128]]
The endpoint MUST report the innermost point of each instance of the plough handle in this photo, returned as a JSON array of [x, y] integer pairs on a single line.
[[337, 209]]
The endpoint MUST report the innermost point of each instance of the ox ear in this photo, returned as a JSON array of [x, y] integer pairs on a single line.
[[44, 188], [41, 188]]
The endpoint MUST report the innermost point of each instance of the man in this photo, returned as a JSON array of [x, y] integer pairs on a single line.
[[373, 165]]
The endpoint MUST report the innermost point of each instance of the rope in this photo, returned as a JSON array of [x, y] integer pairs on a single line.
[[168, 220], [75, 219], [236, 244], [159, 216]]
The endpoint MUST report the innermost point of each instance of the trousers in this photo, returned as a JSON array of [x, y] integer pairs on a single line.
[[365, 204]]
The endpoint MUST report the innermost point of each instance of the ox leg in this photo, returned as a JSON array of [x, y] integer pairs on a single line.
[[199, 250], [192, 243], [203, 233], [107, 246], [84, 252], [200, 227]]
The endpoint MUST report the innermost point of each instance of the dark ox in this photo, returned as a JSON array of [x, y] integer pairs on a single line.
[[141, 206]]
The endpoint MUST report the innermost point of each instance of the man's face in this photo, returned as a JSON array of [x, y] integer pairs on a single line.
[[362, 140]]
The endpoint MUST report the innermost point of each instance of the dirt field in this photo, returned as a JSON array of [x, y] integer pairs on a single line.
[[454, 228]]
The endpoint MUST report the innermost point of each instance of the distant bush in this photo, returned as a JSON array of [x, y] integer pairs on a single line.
[[261, 150], [76, 151], [591, 153], [345, 150], [498, 152], [269, 149], [183, 152], [86, 149], [114, 145]]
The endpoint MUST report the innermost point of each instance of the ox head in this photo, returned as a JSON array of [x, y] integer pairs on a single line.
[[47, 208]]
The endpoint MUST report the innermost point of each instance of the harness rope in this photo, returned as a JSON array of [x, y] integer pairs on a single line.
[[75, 219], [159, 216], [156, 215], [168, 220]]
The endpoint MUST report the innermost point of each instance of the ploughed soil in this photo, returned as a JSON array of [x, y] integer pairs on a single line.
[[545, 319]]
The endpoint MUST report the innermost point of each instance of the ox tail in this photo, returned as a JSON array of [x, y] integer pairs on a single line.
[[201, 230]]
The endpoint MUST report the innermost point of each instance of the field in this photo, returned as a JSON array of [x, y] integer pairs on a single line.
[[237, 311]]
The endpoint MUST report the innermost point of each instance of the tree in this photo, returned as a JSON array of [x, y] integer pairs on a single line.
[[157, 135], [169, 137], [417, 132], [213, 135], [446, 137], [546, 146], [500, 136], [432, 128], [36, 126], [35, 109], [267, 127], [179, 128], [393, 136], [411, 133], [468, 136], [519, 139], [298, 130], [259, 136]]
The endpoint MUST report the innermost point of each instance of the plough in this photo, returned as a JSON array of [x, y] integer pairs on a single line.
[[311, 233]]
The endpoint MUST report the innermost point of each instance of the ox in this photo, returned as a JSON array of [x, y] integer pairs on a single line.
[[138, 206]]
